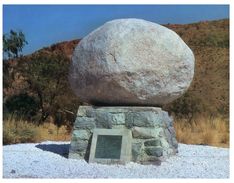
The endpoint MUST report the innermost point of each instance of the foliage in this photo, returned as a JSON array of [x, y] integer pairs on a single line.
[[22, 105], [13, 43], [46, 74], [6, 75]]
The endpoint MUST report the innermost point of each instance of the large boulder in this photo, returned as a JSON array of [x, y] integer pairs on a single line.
[[131, 62]]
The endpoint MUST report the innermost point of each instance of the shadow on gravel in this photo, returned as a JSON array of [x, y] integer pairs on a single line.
[[61, 149]]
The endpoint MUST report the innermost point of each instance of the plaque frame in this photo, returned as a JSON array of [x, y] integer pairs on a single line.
[[126, 146]]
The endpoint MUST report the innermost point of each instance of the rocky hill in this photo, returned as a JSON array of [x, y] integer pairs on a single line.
[[66, 47], [209, 92]]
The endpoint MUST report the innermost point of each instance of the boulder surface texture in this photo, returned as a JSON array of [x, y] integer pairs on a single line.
[[131, 62]]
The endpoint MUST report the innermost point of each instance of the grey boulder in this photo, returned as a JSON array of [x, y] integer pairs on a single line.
[[131, 62]]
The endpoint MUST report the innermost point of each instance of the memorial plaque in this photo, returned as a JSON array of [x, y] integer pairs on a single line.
[[111, 146], [108, 146]]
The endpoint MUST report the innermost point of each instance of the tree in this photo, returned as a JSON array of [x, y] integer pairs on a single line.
[[46, 73], [13, 43]]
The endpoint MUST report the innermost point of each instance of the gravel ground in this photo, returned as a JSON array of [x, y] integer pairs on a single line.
[[48, 160]]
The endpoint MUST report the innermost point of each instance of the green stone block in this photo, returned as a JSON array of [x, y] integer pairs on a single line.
[[81, 134], [156, 142], [84, 123], [154, 151]]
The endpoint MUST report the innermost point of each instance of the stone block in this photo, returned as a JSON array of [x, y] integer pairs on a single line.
[[143, 119], [164, 143], [82, 110], [118, 118], [75, 155], [107, 119], [79, 145], [136, 150], [172, 131], [86, 111], [168, 135], [113, 109], [168, 121], [84, 123], [154, 151], [103, 120], [168, 152], [174, 143], [81, 134], [155, 142], [119, 127], [151, 160], [146, 133]]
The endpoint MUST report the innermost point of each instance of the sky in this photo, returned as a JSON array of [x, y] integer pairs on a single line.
[[44, 25]]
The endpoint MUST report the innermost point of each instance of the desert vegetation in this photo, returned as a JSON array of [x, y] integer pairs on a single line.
[[39, 104], [203, 131], [202, 114], [200, 130], [17, 130]]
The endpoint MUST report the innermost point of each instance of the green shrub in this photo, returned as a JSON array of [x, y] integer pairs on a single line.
[[22, 105]]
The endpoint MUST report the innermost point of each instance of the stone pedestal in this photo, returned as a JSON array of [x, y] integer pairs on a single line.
[[152, 132]]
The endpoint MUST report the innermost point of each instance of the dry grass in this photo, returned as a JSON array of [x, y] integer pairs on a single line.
[[16, 131], [20, 131], [50, 131], [203, 131]]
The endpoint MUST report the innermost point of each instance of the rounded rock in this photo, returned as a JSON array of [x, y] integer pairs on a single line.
[[131, 62]]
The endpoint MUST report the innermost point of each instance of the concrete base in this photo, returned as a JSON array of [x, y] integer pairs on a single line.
[[151, 128]]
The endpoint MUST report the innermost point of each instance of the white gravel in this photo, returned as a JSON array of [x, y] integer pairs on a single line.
[[31, 161]]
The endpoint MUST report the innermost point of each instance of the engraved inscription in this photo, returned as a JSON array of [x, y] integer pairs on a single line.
[[108, 146]]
